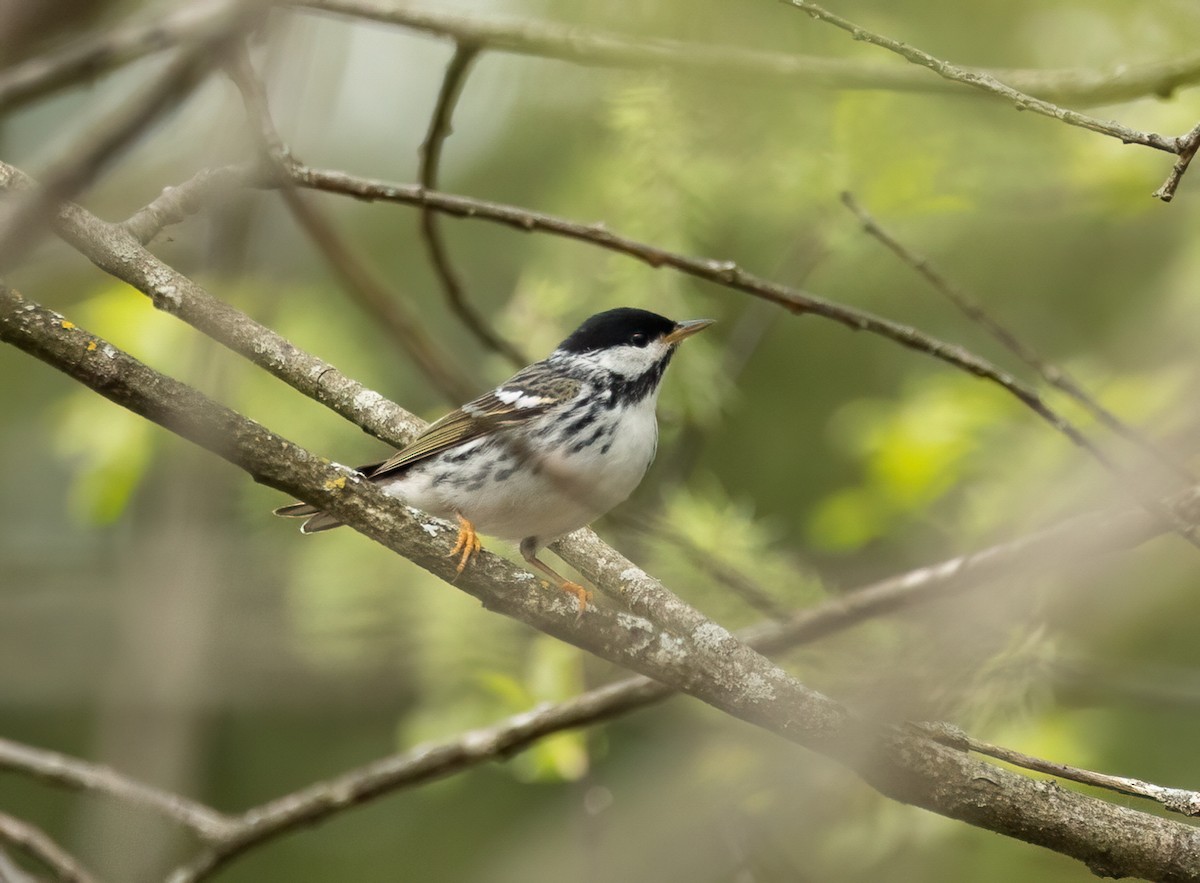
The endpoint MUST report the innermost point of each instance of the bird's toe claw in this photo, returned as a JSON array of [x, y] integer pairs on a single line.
[[466, 545]]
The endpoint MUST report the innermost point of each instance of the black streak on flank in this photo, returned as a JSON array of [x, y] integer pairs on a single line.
[[582, 423], [599, 432]]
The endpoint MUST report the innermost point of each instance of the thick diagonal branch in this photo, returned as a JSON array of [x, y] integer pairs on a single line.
[[707, 663]]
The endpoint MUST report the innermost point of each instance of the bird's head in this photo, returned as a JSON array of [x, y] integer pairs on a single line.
[[628, 342]]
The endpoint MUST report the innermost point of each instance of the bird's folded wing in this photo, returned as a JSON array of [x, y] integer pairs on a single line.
[[528, 394]]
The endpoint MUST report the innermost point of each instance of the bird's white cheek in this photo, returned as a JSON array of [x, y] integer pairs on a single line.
[[630, 361]]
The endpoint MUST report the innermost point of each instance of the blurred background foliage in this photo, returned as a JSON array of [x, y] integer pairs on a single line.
[[153, 616]]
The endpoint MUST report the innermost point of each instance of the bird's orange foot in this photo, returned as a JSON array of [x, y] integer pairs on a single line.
[[466, 545], [582, 595]]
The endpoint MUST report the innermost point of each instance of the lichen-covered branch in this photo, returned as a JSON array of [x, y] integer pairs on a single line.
[[706, 662], [230, 836]]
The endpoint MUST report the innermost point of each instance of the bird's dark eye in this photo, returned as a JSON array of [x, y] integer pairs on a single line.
[[639, 339]]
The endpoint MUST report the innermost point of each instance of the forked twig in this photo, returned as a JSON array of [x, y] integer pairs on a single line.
[[1188, 145]]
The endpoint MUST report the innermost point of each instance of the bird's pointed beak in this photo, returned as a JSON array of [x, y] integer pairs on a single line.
[[686, 329]]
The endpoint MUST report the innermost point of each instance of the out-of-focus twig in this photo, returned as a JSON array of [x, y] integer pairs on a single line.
[[973, 310], [384, 305], [599, 48], [430, 163], [23, 218], [176, 204], [98, 53], [83, 775], [11, 872], [36, 843]]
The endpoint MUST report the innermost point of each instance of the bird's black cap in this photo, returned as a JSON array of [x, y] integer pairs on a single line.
[[624, 325]]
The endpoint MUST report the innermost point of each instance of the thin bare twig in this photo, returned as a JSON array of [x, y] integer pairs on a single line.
[[1188, 146], [384, 305], [34, 842], [986, 82], [974, 311], [79, 774], [589, 46], [431, 156]]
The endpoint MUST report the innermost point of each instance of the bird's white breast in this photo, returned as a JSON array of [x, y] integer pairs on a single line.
[[554, 484]]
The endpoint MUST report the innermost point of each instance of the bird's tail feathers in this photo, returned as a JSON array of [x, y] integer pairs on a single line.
[[317, 520], [296, 510]]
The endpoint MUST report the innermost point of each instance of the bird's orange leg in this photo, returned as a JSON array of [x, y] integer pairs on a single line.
[[582, 595], [466, 545]]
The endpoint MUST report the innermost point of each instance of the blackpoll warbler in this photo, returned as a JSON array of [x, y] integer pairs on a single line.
[[549, 450]]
